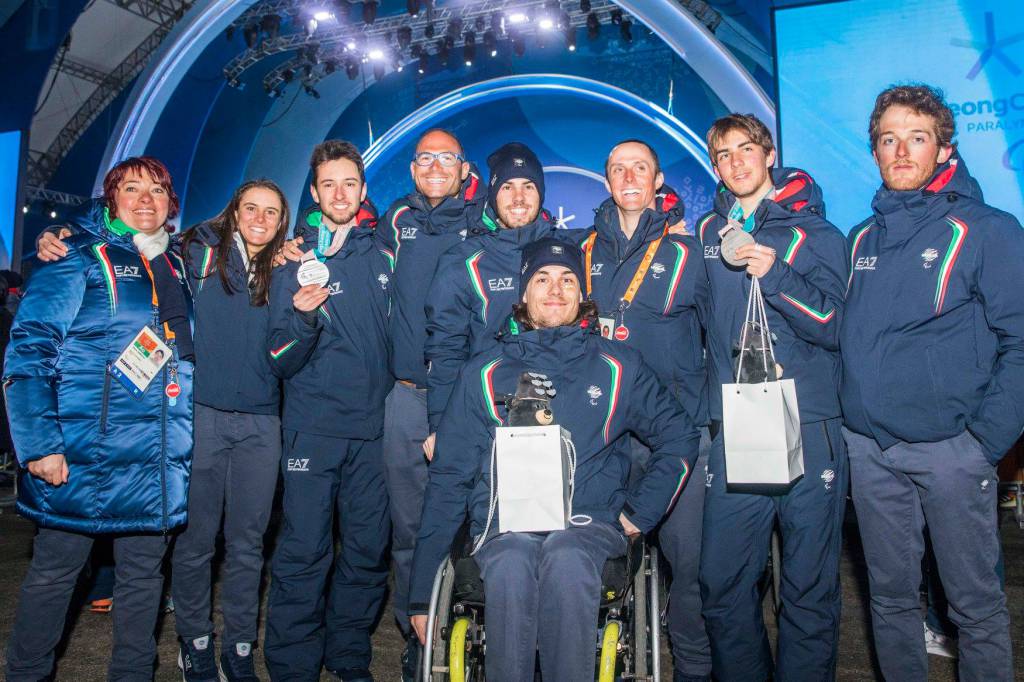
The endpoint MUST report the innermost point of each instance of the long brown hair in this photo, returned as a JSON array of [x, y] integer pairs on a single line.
[[587, 311], [225, 226]]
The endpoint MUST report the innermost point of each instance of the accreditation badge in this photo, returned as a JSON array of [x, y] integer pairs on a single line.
[[607, 325], [139, 363]]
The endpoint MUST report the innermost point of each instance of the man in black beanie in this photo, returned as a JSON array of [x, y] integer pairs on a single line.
[[477, 281]]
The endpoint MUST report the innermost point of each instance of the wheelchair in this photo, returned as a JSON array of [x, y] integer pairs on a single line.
[[628, 642]]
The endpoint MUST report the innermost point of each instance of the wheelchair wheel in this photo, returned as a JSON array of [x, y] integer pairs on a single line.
[[654, 612], [609, 651], [640, 624], [437, 625]]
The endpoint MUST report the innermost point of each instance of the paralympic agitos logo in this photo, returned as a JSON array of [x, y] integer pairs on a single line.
[[1013, 158], [990, 48]]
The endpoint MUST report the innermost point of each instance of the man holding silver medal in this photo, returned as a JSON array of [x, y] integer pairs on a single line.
[[768, 223], [329, 343]]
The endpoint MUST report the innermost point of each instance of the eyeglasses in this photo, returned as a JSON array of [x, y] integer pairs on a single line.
[[446, 159]]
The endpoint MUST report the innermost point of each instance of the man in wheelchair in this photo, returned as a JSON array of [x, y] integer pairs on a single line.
[[543, 589]]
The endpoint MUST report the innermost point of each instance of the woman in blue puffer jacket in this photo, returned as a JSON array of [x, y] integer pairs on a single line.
[[98, 380]]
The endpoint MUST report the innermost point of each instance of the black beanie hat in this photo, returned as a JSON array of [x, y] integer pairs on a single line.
[[550, 251], [514, 160]]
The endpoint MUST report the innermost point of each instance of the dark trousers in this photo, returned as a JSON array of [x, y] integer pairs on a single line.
[[543, 592], [405, 467], [679, 537], [737, 541], [950, 486], [235, 465], [307, 624], [57, 559]]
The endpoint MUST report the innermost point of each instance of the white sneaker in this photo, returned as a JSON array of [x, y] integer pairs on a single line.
[[939, 645]]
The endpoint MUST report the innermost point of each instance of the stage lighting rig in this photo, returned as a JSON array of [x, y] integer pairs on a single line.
[[311, 26], [490, 43], [469, 47], [518, 43], [352, 68], [430, 30], [593, 26], [378, 69], [412, 7], [229, 32], [616, 16], [251, 33], [288, 75], [270, 24], [404, 37], [585, 6], [311, 91], [442, 51], [454, 28], [626, 30], [570, 38]]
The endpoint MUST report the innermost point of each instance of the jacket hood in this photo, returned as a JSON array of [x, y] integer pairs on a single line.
[[668, 209], [555, 347], [308, 226], [796, 194], [950, 182], [93, 219]]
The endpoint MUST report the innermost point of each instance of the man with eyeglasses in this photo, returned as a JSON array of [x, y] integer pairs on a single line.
[[418, 228]]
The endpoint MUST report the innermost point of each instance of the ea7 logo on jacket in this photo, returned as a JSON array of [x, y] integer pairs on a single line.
[[127, 272], [298, 464], [500, 284], [334, 288], [865, 263], [595, 269], [409, 232], [711, 251]]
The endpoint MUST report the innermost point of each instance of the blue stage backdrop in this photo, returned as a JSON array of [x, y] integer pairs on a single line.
[[10, 150], [834, 58]]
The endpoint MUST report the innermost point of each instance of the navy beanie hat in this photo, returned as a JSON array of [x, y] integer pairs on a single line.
[[550, 251], [514, 160]]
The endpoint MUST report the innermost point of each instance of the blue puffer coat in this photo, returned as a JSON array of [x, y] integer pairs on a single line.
[[128, 459]]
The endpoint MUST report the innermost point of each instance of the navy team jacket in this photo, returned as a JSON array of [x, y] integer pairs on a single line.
[[664, 319], [334, 361], [418, 234], [803, 292], [933, 337]]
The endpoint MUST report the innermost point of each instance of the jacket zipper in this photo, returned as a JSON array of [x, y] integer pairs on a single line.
[[105, 406]]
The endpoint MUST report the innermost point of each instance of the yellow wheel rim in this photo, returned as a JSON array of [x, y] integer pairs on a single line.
[[457, 651], [609, 650]]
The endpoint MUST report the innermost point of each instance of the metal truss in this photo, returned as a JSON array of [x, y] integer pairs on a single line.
[[154, 10], [331, 43], [42, 165], [34, 193]]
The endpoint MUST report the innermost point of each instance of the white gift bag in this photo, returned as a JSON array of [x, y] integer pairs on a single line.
[[532, 475], [761, 421]]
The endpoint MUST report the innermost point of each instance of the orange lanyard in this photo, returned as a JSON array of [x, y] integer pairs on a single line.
[[168, 334], [638, 276]]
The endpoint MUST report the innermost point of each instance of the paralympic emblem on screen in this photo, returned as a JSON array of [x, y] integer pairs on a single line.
[[990, 48]]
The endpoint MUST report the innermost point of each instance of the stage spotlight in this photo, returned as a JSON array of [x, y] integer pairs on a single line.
[[322, 15], [376, 55], [442, 52], [497, 24], [251, 33], [570, 38], [469, 48], [351, 46], [311, 91], [271, 25], [593, 26], [287, 75], [229, 32], [396, 64], [616, 16], [24, 209], [424, 62], [50, 209], [378, 70], [490, 43], [307, 70], [518, 18], [518, 44], [330, 66], [404, 37], [585, 6], [352, 68], [370, 11], [626, 30], [311, 27], [412, 7], [547, 23], [479, 24], [454, 27], [429, 30]]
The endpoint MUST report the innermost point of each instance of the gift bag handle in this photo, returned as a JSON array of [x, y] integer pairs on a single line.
[[756, 315]]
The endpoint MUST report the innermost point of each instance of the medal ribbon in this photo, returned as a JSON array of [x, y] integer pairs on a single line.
[[638, 276]]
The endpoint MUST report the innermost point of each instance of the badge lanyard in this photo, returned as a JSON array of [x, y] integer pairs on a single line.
[[622, 332], [172, 390]]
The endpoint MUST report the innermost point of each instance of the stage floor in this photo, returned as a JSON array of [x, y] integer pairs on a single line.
[[87, 649]]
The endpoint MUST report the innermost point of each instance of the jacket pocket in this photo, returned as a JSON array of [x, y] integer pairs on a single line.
[[105, 405]]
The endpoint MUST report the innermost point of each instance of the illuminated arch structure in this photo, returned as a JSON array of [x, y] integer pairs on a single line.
[[235, 134]]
